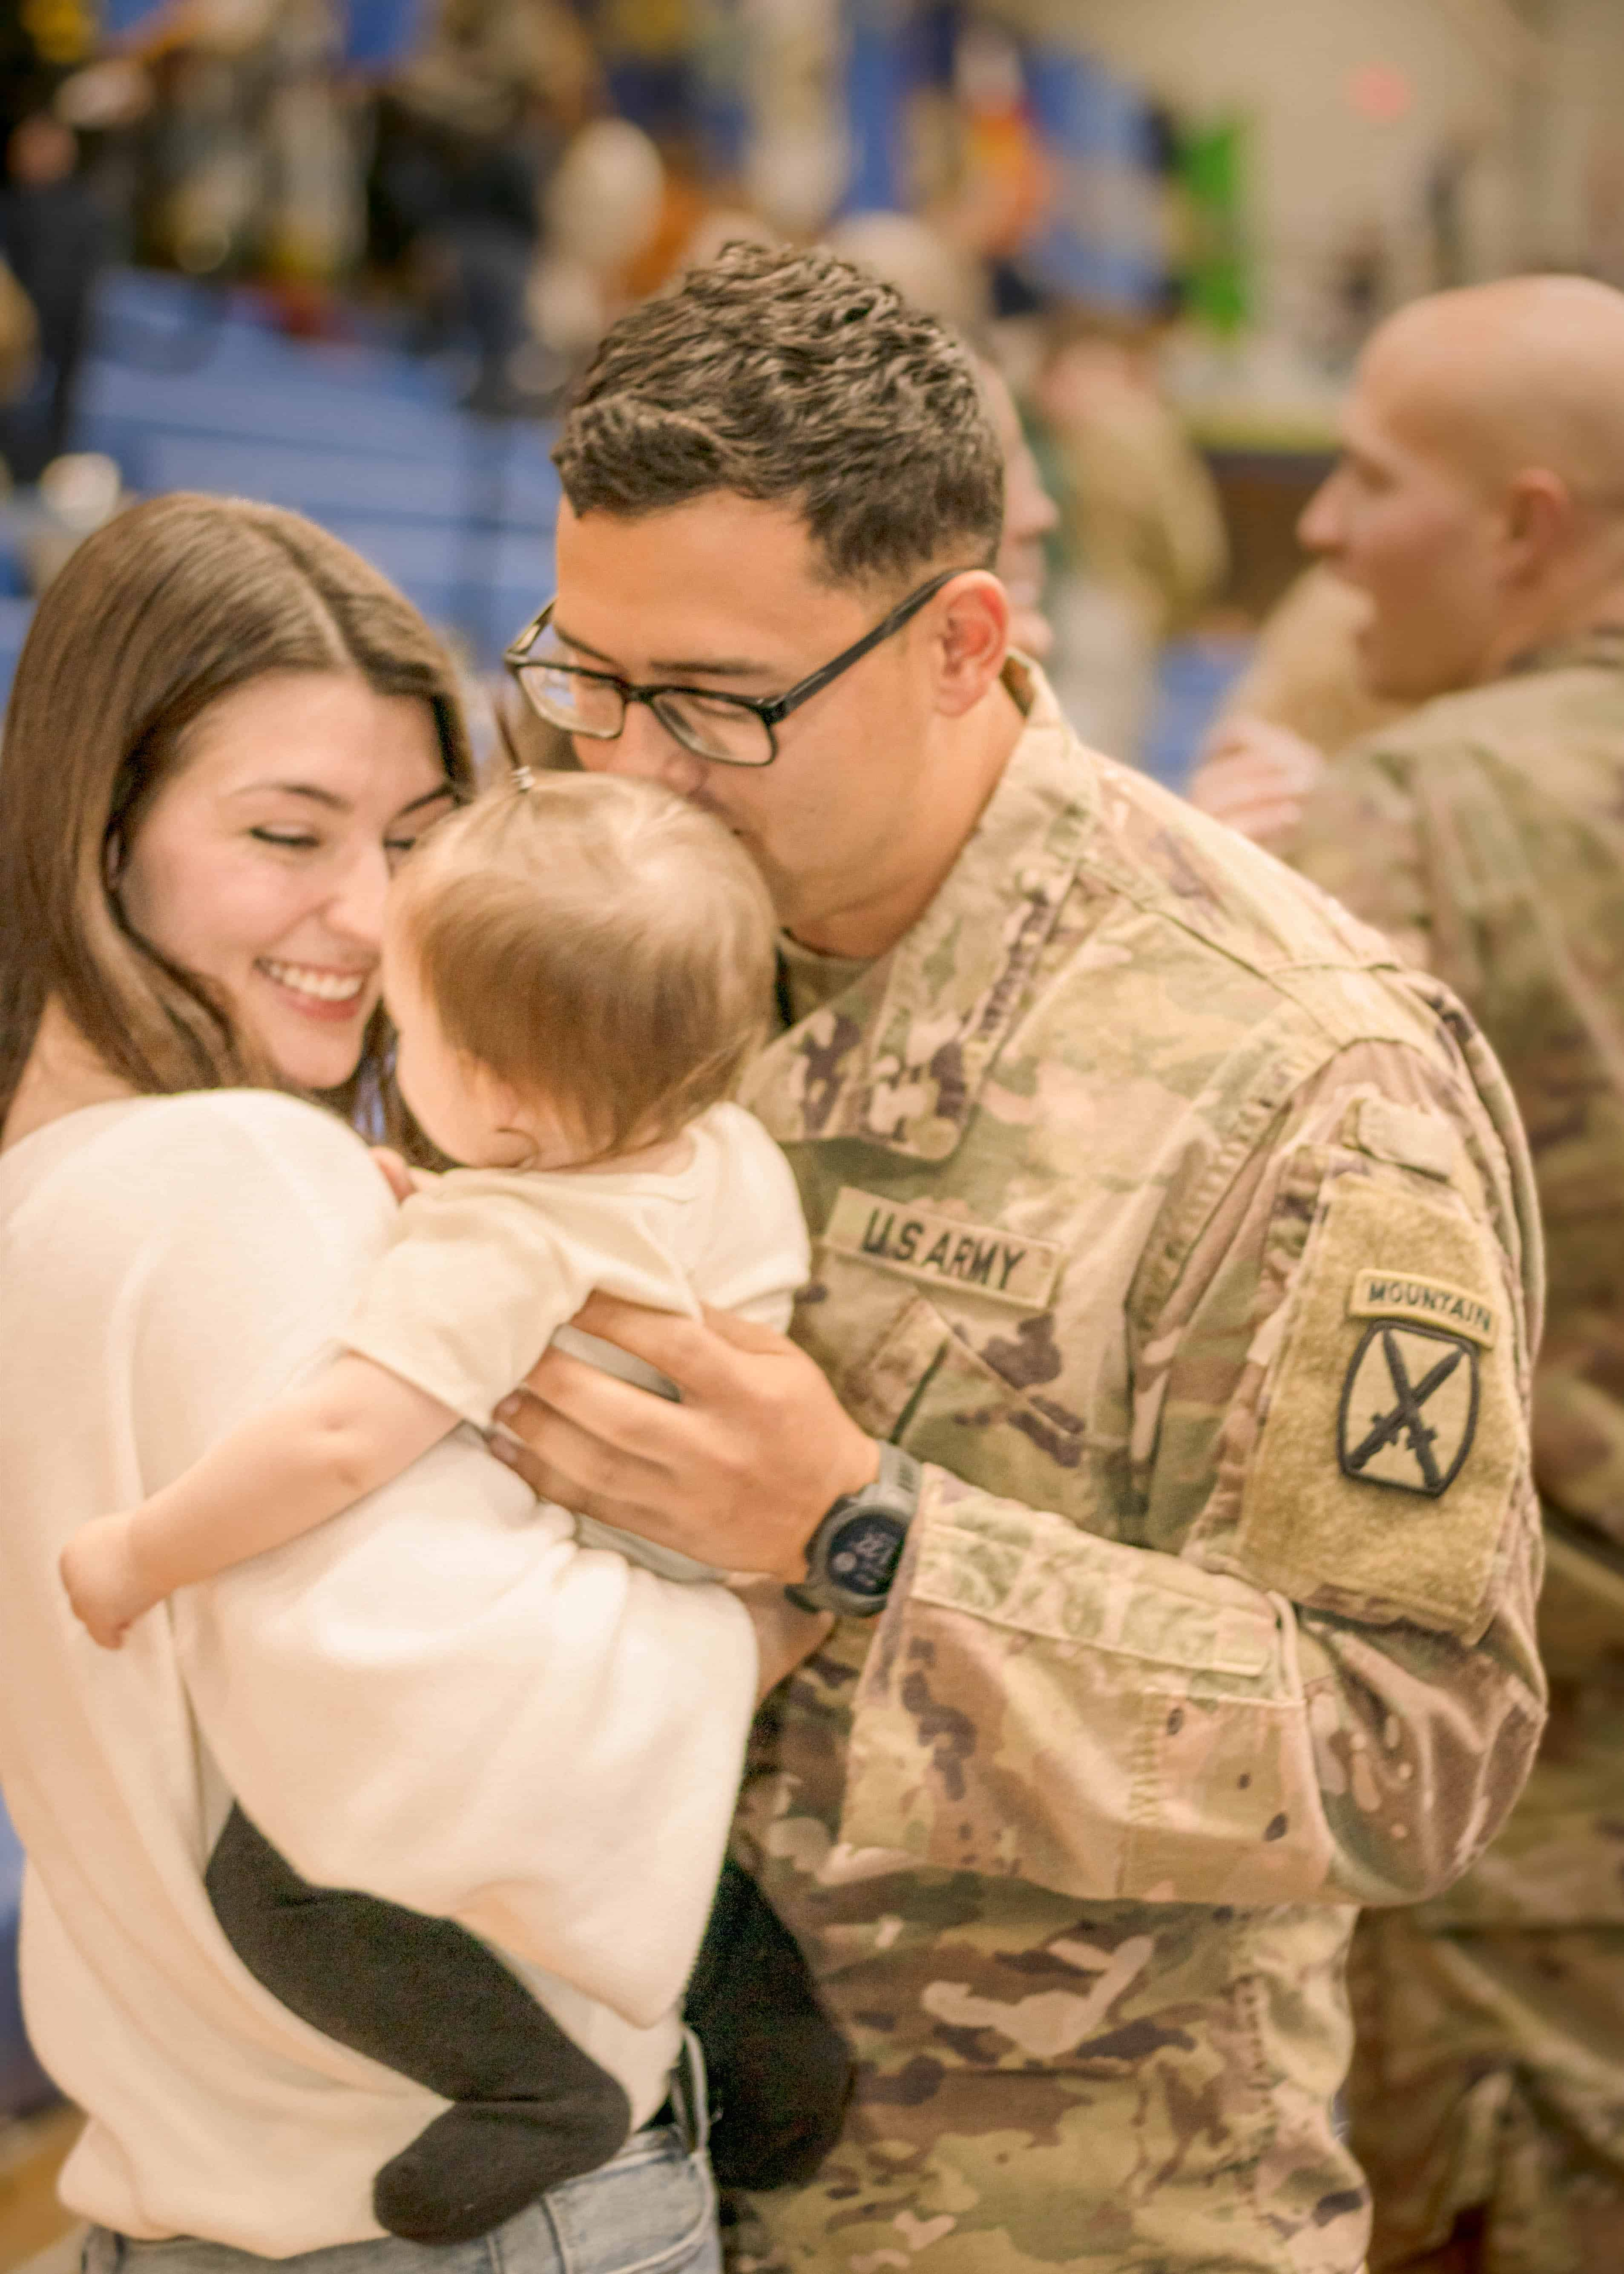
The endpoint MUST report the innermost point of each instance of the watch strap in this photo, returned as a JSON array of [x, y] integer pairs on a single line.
[[840, 1540]]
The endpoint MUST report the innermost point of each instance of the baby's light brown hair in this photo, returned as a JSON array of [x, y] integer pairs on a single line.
[[596, 942]]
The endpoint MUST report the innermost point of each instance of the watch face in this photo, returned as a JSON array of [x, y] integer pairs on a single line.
[[863, 1553]]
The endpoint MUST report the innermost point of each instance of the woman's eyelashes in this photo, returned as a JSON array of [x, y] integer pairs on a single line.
[[304, 840], [288, 840]]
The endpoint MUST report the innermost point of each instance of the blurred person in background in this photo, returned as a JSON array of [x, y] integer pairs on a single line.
[[41, 47], [1140, 510], [1479, 508], [57, 237], [930, 269], [926, 266], [468, 134], [60, 106], [1142, 532], [247, 156], [19, 344], [1029, 517], [606, 207]]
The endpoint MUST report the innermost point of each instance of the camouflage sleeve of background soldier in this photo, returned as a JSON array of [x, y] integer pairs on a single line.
[[1460, 882], [1360, 838], [1320, 1683]]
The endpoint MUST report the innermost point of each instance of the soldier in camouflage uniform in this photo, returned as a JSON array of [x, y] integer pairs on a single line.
[[1301, 699], [1184, 1238], [1478, 507]]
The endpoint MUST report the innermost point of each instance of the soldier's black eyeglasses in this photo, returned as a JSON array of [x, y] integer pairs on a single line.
[[729, 730]]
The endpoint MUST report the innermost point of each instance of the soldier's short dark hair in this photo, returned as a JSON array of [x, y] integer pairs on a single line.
[[793, 376]]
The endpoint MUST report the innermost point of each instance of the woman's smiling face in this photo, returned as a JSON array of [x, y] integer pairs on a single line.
[[262, 862]]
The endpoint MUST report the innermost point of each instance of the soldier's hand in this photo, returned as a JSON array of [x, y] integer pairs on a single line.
[[738, 1474], [1257, 777]]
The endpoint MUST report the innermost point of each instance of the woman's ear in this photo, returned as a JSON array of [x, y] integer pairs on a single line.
[[113, 859], [972, 640]]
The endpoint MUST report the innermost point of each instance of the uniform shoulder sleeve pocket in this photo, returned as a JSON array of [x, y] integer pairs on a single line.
[[1393, 1434]]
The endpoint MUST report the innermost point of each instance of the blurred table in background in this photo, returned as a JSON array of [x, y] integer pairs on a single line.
[[1267, 428], [1263, 492]]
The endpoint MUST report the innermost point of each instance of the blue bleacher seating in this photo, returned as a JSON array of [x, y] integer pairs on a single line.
[[1192, 676], [191, 389]]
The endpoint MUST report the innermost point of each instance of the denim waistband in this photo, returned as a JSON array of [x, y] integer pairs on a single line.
[[685, 2111]]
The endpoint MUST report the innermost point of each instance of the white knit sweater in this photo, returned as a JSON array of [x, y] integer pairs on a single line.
[[439, 1697]]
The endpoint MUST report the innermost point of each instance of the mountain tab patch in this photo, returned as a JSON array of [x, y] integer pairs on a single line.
[[1429, 1302]]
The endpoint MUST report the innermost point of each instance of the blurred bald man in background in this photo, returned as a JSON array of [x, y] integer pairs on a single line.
[[1479, 508], [1029, 516]]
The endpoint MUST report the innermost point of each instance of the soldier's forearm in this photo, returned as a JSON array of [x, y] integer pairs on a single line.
[[1111, 1721]]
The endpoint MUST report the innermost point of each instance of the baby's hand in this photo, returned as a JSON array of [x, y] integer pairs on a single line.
[[401, 1178], [103, 1586], [394, 1170]]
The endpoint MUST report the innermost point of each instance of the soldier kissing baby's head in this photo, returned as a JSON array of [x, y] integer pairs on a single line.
[[595, 942]]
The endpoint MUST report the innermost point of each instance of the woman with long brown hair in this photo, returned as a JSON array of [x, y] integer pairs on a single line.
[[225, 731]]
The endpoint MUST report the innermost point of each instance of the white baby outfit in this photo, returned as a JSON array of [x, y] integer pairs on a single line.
[[439, 1698], [487, 1266]]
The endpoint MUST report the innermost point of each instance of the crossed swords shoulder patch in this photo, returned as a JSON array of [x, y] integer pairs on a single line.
[[1393, 1432], [1409, 1410]]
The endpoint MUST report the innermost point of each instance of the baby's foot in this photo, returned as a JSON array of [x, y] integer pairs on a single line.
[[98, 1571], [484, 2161]]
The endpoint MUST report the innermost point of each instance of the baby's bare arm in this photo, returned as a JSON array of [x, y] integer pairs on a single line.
[[279, 1475]]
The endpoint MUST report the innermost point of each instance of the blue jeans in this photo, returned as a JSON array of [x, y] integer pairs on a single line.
[[651, 2210]]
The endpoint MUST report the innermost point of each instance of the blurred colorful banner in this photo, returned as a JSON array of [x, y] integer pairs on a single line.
[[1212, 171], [880, 66], [1101, 239]]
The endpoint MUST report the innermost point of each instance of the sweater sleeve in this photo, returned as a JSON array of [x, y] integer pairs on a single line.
[[438, 1697]]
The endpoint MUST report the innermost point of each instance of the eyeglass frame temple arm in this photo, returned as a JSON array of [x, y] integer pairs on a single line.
[[770, 709]]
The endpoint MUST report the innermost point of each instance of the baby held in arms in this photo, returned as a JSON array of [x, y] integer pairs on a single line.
[[579, 967]]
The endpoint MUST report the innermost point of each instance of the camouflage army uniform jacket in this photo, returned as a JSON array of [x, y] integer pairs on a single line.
[[1188, 1241], [1485, 834]]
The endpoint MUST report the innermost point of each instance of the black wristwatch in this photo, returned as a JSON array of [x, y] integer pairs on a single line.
[[851, 1558]]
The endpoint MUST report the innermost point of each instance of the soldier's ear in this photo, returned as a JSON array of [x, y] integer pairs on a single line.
[[1541, 516], [969, 628]]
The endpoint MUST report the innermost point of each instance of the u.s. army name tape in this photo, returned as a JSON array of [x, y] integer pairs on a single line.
[[973, 1259]]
